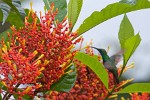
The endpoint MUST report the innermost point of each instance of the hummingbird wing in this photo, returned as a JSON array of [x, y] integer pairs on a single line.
[[117, 57]]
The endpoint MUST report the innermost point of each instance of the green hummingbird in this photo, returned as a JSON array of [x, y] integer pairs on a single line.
[[110, 62]]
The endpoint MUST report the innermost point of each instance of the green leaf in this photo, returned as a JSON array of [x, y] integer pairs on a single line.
[[4, 35], [95, 65], [129, 1], [67, 81], [109, 12], [0, 96], [5, 11], [130, 46], [62, 8], [136, 87], [27, 97], [19, 10], [15, 5], [47, 5], [74, 8], [126, 31], [15, 20]]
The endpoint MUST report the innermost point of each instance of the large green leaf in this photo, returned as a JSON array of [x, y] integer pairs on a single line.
[[136, 87], [74, 8], [126, 31], [47, 5], [5, 11], [67, 81], [62, 8], [95, 65], [8, 6], [130, 46], [109, 12]]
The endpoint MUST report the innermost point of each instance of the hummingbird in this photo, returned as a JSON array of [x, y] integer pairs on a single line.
[[110, 62]]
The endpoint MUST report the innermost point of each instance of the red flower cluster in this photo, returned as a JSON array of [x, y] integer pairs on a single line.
[[88, 86], [142, 96], [37, 54]]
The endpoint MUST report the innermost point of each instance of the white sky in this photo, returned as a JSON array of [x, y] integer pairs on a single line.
[[106, 34]]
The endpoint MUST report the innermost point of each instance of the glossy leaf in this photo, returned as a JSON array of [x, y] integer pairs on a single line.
[[109, 12], [47, 5], [15, 5], [126, 31], [67, 81], [136, 87], [62, 8], [130, 46], [95, 65], [21, 11], [74, 8], [129, 1], [5, 11]]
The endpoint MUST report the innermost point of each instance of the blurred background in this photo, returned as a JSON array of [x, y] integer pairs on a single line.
[[106, 34]]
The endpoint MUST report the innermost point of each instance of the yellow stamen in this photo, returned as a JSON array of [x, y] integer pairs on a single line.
[[35, 21], [48, 23], [122, 98], [19, 50], [23, 42], [35, 53], [31, 4], [46, 62], [4, 49], [4, 83], [125, 82], [113, 96], [9, 63], [20, 75], [27, 89], [12, 27], [52, 6], [41, 56], [15, 67], [8, 45], [128, 67], [43, 41], [40, 14], [41, 69], [70, 71], [37, 62]]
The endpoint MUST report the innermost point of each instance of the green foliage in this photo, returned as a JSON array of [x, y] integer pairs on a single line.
[[12, 7], [62, 8], [0, 96], [109, 12], [67, 81], [128, 41], [74, 8], [5, 35], [126, 31], [95, 65], [5, 11], [130, 46], [47, 5], [136, 87]]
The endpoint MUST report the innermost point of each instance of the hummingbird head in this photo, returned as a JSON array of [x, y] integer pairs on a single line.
[[101, 51]]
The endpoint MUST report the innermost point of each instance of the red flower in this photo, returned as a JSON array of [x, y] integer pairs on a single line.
[[37, 54]]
